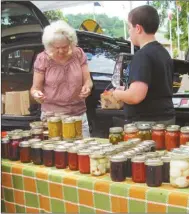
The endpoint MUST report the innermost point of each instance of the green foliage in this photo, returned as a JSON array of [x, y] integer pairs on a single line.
[[54, 15]]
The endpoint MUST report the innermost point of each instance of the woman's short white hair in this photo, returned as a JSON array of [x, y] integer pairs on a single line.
[[58, 30]]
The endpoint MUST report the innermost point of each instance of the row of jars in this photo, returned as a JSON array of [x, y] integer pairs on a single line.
[[165, 137]]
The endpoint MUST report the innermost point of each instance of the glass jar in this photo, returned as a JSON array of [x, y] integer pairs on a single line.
[[138, 169], [37, 153], [36, 125], [14, 152], [172, 137], [45, 135], [73, 158], [47, 115], [138, 150], [54, 127], [104, 145], [129, 125], [26, 135], [166, 168], [93, 143], [98, 163], [84, 161], [78, 127], [158, 135], [108, 151], [118, 164], [134, 142], [129, 155], [144, 148], [25, 152], [48, 155], [61, 157], [151, 155], [5, 142], [154, 172], [179, 170], [151, 144], [37, 133], [130, 133], [68, 129], [79, 142], [144, 132], [45, 126], [184, 135], [115, 135]]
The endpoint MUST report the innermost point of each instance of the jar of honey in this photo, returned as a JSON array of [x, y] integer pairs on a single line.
[[14, 151], [130, 133], [84, 161], [78, 127], [172, 137], [184, 135], [61, 157], [37, 133], [25, 152], [26, 135], [144, 132], [158, 135], [37, 153], [54, 127], [115, 135], [69, 132], [48, 155], [5, 142], [73, 158]]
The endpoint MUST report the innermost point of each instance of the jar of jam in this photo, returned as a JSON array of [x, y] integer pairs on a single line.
[[154, 172], [73, 158], [61, 157], [5, 142], [48, 155], [68, 130], [130, 133], [26, 135], [14, 152], [78, 127], [115, 135], [138, 169], [166, 168], [179, 168], [144, 132], [129, 155], [158, 135], [37, 153], [54, 127], [84, 161], [25, 152], [172, 137], [45, 135], [37, 133], [184, 135]]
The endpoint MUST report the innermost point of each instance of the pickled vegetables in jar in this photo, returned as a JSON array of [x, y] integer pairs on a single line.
[[54, 127], [115, 135], [144, 132]]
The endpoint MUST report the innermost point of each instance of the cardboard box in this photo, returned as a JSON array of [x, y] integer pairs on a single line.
[[17, 103]]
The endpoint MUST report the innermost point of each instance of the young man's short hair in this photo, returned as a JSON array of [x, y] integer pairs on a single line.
[[146, 16]]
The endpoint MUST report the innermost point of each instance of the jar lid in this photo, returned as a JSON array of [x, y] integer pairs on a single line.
[[149, 142], [5, 140], [34, 140], [131, 129], [139, 158], [134, 141], [184, 147], [173, 128], [108, 150], [73, 149], [78, 142], [95, 148], [77, 118], [179, 155], [154, 162], [69, 120], [166, 158], [16, 137], [37, 131], [24, 144], [45, 124], [17, 131], [144, 126], [97, 154], [82, 146], [49, 113], [46, 133], [36, 124], [93, 143], [84, 152], [185, 129], [48, 146], [26, 133], [105, 145], [129, 125], [151, 154], [118, 158], [159, 127], [36, 145], [54, 119], [129, 154], [55, 138], [116, 129], [60, 148], [138, 150]]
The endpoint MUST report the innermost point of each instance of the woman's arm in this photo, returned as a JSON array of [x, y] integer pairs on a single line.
[[87, 77]]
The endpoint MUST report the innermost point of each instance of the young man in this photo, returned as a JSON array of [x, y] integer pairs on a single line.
[[148, 96]]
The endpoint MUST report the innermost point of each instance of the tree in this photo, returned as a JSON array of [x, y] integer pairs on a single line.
[[54, 15]]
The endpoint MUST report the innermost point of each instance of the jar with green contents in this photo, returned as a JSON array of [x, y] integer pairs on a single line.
[[55, 127], [144, 132], [115, 135], [68, 131]]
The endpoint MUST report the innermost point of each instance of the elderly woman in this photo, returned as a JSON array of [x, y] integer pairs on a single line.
[[61, 80]]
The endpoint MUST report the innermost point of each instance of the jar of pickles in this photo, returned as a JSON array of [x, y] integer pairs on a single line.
[[37, 133], [172, 137], [154, 172], [184, 135], [14, 152], [5, 142], [78, 127], [144, 132], [84, 161], [68, 129], [54, 127], [139, 169], [73, 158], [26, 135], [48, 155], [179, 170], [25, 152], [158, 135], [37, 153], [130, 132], [166, 168], [115, 135], [61, 157], [118, 164]]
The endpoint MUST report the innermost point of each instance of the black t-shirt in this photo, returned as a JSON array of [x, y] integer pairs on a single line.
[[152, 65]]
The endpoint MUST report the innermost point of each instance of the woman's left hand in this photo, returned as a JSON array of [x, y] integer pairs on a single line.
[[85, 92]]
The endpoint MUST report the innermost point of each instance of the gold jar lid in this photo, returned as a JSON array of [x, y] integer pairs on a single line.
[[55, 139], [116, 130]]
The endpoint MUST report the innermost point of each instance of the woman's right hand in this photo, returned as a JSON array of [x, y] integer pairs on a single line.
[[38, 96]]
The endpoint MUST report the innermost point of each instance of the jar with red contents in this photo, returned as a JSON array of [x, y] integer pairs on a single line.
[[184, 135], [130, 133], [84, 161], [172, 137], [158, 135], [73, 158], [25, 152], [26, 135], [139, 169], [14, 151], [37, 133], [48, 155], [61, 157], [37, 153], [5, 142]]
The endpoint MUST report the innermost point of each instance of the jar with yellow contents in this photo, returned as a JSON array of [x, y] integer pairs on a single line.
[[78, 127], [54, 127], [68, 128]]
